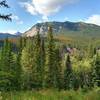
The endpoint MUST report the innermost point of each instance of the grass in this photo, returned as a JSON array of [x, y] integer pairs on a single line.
[[51, 95]]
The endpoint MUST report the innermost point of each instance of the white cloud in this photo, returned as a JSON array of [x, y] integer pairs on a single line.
[[45, 7], [9, 31], [39, 21], [94, 19], [17, 19], [66, 19], [14, 17], [20, 22], [29, 8], [45, 18]]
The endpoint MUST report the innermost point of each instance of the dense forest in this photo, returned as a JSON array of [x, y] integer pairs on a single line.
[[36, 63], [62, 63]]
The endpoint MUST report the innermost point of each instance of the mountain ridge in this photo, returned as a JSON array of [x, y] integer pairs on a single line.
[[8, 35], [66, 28]]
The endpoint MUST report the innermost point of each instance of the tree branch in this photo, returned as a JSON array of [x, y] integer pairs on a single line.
[[6, 17], [3, 3]]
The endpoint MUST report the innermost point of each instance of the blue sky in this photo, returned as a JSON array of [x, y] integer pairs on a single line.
[[25, 13]]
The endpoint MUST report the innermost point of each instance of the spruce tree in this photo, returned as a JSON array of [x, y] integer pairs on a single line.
[[7, 65], [68, 74], [21, 45], [37, 61], [18, 71], [43, 61], [50, 59], [27, 63], [97, 70], [57, 69]]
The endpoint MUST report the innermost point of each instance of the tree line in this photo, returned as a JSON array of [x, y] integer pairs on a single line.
[[38, 64]]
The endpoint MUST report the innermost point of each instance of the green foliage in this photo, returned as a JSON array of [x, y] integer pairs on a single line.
[[97, 69], [40, 63], [7, 65], [27, 63], [68, 74], [51, 95], [50, 60], [38, 68]]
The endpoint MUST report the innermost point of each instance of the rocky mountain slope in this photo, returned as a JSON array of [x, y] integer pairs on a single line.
[[66, 28]]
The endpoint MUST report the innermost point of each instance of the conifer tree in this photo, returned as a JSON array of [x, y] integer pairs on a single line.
[[57, 69], [97, 70], [50, 59], [27, 63], [91, 51], [42, 62], [68, 74], [37, 61], [6, 56], [7, 65], [18, 71]]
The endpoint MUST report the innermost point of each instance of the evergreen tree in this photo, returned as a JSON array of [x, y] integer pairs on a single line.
[[43, 61], [50, 59], [37, 73], [68, 74], [91, 51], [7, 65], [18, 71], [21, 45], [27, 63], [97, 70], [57, 69]]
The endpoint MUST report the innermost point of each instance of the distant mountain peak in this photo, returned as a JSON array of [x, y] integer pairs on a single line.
[[18, 33], [8, 35]]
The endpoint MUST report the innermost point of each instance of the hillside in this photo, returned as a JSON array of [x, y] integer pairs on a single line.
[[67, 29]]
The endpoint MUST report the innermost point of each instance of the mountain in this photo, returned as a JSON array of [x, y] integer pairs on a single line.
[[66, 28], [18, 33], [8, 35]]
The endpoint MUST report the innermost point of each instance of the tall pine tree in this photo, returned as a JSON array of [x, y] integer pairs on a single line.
[[57, 69], [97, 70], [27, 63], [38, 72], [50, 59], [7, 66], [68, 74]]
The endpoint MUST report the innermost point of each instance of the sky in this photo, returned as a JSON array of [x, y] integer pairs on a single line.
[[26, 13]]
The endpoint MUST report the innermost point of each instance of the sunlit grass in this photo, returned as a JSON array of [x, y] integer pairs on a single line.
[[52, 95]]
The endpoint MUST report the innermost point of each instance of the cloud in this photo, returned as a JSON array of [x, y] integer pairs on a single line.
[[9, 31], [39, 21], [45, 7], [66, 19], [94, 19], [29, 8], [20, 22], [45, 18], [17, 19], [14, 17]]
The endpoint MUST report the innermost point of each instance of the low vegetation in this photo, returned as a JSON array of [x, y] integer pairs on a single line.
[[52, 95]]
